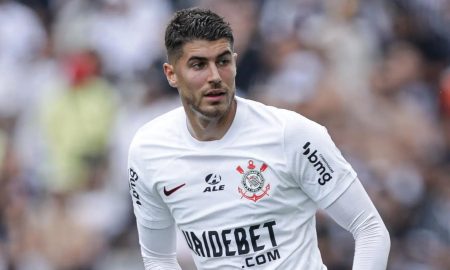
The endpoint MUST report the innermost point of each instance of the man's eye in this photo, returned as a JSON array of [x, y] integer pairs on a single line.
[[224, 62], [198, 65]]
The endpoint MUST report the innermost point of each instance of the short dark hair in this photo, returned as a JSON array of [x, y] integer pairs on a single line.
[[194, 24]]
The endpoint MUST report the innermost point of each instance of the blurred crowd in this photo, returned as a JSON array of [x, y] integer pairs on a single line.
[[79, 77]]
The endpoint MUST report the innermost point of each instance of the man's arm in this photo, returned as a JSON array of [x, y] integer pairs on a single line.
[[355, 212], [156, 228], [158, 248]]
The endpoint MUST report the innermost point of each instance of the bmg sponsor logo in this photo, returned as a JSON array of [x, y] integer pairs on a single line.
[[321, 165], [133, 178]]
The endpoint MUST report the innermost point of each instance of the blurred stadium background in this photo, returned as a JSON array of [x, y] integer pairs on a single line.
[[78, 77]]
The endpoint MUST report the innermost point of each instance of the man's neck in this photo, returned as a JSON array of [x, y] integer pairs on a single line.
[[210, 129]]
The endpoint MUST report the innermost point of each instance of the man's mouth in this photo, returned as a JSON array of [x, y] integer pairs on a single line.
[[215, 93]]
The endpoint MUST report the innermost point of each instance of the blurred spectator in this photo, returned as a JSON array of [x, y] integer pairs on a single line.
[[128, 34], [77, 123], [445, 93], [21, 38], [400, 87], [45, 79], [348, 45], [72, 25], [21, 31], [292, 68]]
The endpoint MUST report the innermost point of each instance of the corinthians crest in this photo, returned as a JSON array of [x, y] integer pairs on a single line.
[[253, 182]]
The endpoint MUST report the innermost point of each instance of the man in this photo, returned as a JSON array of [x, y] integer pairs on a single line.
[[241, 180]]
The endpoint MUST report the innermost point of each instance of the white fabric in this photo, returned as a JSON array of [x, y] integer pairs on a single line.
[[161, 263], [247, 200], [355, 212], [157, 241], [158, 248]]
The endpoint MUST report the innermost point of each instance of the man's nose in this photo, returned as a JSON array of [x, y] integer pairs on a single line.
[[214, 76]]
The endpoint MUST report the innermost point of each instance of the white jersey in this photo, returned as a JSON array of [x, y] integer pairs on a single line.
[[245, 201]]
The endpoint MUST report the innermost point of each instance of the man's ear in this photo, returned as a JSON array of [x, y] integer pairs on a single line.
[[170, 74]]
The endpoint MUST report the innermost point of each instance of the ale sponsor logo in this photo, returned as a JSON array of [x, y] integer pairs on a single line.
[[213, 180]]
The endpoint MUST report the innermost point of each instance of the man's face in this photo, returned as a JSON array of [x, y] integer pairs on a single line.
[[205, 77]]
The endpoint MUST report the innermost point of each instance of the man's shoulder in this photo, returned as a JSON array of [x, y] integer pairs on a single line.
[[162, 127], [274, 122], [274, 114]]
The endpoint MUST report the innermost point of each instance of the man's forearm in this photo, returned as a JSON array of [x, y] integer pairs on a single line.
[[372, 243], [158, 248], [159, 262], [355, 212]]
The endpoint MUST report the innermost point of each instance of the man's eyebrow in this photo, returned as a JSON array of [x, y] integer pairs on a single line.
[[197, 58], [201, 58], [225, 53]]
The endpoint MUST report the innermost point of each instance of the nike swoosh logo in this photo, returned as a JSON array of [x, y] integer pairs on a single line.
[[170, 191]]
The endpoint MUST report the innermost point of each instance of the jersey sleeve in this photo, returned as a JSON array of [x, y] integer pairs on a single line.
[[355, 212], [315, 162], [148, 206]]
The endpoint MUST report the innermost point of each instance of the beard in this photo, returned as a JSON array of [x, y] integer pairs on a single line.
[[212, 110]]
